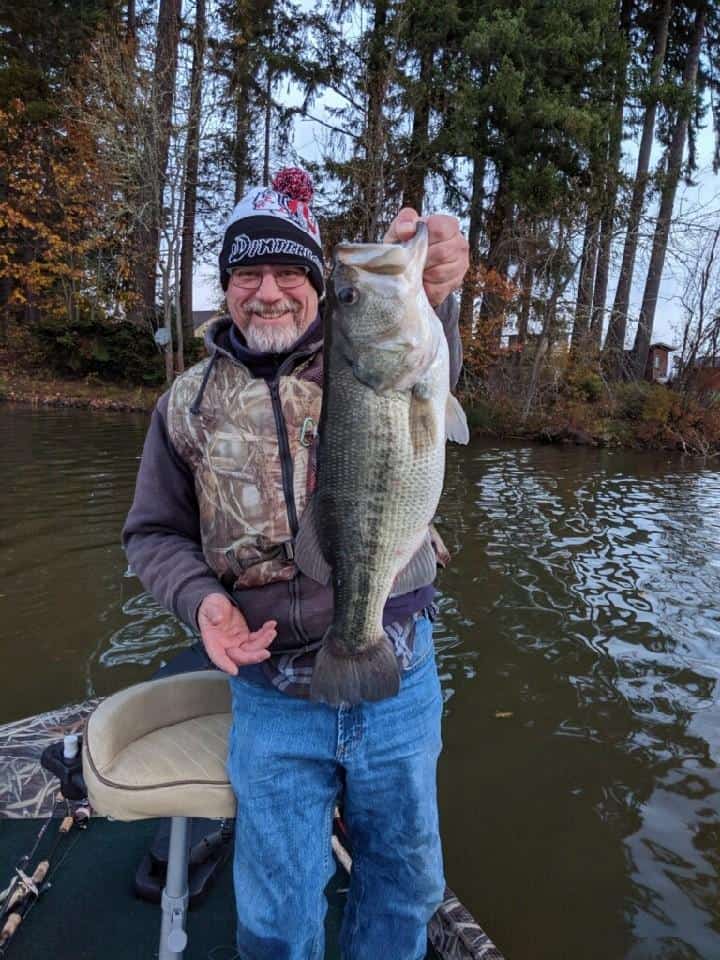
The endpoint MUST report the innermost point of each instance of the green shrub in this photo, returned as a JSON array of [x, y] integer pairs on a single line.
[[103, 347], [662, 405], [630, 399], [489, 416]]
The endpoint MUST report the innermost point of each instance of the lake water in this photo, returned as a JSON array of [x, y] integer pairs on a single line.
[[579, 647]]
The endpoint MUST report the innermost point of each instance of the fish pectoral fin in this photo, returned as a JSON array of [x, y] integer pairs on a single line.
[[418, 572], [423, 425], [308, 552], [456, 425], [423, 390], [442, 554]]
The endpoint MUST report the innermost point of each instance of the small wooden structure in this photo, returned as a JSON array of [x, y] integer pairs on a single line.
[[656, 370]]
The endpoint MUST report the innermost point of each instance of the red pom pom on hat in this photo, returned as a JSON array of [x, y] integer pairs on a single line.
[[295, 182]]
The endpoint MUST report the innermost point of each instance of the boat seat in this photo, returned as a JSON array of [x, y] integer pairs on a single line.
[[158, 749]]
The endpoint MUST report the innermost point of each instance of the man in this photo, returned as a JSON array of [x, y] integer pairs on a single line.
[[226, 472]]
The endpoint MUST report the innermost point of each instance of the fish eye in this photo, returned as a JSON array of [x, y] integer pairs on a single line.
[[348, 295]]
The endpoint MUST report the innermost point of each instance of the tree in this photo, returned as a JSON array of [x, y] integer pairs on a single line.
[[191, 171], [158, 124], [615, 339], [671, 177]]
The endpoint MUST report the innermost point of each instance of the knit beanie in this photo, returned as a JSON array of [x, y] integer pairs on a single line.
[[275, 225]]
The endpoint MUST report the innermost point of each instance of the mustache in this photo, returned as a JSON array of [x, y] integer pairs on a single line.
[[276, 310]]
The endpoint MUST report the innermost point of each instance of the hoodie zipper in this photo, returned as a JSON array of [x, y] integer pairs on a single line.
[[287, 471]]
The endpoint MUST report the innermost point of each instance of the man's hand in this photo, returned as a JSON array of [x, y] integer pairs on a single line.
[[228, 640], [447, 259]]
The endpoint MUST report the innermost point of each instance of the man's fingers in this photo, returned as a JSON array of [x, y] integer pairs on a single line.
[[244, 656], [221, 659], [441, 273], [261, 638], [403, 226], [441, 226]]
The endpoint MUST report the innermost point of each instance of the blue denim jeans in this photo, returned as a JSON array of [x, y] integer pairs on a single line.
[[288, 761]]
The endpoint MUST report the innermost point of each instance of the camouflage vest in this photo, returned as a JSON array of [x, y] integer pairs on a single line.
[[249, 445]]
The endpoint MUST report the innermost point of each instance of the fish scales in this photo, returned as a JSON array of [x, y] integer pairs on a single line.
[[377, 497]]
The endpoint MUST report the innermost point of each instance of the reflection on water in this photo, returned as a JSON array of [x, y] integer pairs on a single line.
[[579, 649], [584, 598], [148, 633]]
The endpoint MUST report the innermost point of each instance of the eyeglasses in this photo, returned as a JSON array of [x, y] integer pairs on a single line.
[[287, 278]]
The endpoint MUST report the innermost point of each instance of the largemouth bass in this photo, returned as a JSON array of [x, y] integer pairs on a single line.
[[386, 414]]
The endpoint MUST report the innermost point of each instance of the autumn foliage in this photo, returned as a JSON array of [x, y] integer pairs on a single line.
[[49, 216]]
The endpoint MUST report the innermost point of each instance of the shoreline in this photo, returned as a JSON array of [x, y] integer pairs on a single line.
[[561, 427], [40, 390]]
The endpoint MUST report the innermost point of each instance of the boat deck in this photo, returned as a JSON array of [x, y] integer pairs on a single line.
[[91, 911]]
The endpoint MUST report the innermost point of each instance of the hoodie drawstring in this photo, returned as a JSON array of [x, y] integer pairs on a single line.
[[195, 406]]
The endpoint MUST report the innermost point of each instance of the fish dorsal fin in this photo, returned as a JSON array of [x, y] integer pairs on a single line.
[[456, 426], [417, 247], [308, 552], [387, 258]]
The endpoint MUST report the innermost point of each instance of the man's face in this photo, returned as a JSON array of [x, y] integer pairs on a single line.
[[271, 315]]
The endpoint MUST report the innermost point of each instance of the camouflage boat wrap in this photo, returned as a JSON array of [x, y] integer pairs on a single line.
[[26, 789], [231, 444], [456, 935]]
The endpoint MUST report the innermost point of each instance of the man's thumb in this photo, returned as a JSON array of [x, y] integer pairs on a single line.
[[213, 610], [402, 227]]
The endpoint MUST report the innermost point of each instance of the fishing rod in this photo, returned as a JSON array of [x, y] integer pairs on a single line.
[[27, 886]]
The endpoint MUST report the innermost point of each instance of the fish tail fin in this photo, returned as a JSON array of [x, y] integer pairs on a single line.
[[371, 674]]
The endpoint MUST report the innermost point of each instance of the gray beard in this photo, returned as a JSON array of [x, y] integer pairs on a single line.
[[272, 339]]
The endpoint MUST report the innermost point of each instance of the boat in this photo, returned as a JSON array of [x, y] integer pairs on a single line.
[[81, 885]]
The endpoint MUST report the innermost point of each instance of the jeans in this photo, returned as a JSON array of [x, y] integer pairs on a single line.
[[288, 761]]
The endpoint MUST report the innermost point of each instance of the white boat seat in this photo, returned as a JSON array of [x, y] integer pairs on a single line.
[[158, 749]]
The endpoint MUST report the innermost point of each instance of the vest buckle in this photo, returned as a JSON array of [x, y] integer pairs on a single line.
[[307, 432]]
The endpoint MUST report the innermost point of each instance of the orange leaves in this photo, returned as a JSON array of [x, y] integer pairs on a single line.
[[50, 220]]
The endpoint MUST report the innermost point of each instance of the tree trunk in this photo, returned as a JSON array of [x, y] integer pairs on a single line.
[[268, 122], [667, 200], [615, 340], [374, 140], [497, 262], [131, 20], [191, 172], [241, 161], [177, 311], [614, 156], [6, 282], [470, 283], [528, 278], [163, 96], [414, 192], [584, 302], [602, 271]]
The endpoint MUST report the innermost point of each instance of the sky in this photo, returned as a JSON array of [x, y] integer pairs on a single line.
[[696, 214]]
